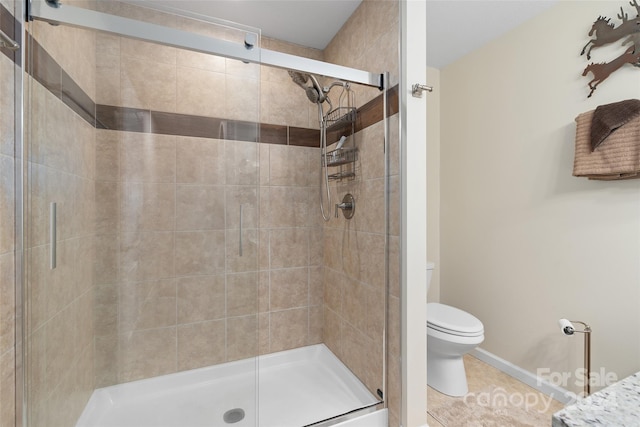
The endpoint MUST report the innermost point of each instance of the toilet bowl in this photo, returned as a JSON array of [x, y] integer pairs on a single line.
[[451, 333]]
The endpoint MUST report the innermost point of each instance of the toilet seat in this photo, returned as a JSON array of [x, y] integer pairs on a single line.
[[451, 320]]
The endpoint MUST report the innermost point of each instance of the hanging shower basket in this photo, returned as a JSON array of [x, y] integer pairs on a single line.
[[341, 156], [340, 117], [341, 120]]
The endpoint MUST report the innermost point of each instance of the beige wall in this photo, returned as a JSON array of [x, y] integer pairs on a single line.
[[523, 242], [168, 209], [291, 273], [433, 180], [354, 249], [7, 240], [170, 276], [288, 242], [138, 74], [354, 262], [368, 41]]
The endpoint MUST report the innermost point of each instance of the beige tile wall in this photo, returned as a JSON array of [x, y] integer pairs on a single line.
[[354, 262], [161, 278], [168, 272], [7, 240], [137, 74], [369, 41], [61, 169], [354, 250], [173, 293], [64, 44], [287, 239], [291, 248]]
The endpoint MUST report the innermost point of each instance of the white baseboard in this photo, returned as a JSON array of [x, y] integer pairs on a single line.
[[561, 394]]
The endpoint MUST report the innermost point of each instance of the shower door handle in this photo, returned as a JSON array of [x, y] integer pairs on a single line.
[[7, 42], [52, 235], [240, 233]]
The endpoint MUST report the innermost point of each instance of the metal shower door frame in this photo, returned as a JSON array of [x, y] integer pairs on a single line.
[[64, 14], [55, 13]]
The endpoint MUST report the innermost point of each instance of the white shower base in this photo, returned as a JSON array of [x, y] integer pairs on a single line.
[[295, 388]]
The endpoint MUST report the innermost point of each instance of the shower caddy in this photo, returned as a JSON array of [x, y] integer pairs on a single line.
[[342, 120]]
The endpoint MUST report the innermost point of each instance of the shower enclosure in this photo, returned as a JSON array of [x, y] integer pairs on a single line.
[[178, 268]]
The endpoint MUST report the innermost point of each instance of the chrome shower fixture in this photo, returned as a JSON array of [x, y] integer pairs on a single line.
[[315, 92], [300, 79], [318, 95]]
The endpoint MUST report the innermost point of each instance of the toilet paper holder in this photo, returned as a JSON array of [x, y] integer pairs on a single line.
[[567, 328]]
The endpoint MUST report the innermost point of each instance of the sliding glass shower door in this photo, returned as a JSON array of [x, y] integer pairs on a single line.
[[142, 241], [179, 270]]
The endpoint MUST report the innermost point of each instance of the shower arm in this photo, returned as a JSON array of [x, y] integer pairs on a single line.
[[326, 98], [342, 84]]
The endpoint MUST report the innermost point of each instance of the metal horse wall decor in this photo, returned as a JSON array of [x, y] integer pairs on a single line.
[[605, 33]]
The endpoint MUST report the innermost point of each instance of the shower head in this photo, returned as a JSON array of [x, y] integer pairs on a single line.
[[314, 92], [313, 95], [299, 78], [318, 95]]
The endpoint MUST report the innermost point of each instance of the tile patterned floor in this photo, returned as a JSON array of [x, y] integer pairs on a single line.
[[480, 376]]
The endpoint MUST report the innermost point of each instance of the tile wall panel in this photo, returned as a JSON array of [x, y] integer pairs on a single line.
[[354, 251], [195, 198], [170, 271], [166, 271]]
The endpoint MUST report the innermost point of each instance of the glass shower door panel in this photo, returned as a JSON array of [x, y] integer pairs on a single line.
[[60, 242], [10, 208], [186, 231], [142, 252]]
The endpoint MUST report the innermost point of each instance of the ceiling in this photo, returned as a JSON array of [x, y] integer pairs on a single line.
[[454, 27], [311, 23]]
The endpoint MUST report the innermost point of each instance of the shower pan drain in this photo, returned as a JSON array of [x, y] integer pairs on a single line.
[[233, 415]]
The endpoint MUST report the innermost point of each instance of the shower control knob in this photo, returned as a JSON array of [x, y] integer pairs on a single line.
[[348, 206], [342, 206]]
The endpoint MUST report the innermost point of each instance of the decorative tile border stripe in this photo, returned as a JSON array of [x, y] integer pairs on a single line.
[[123, 118], [304, 137], [50, 74], [11, 27], [46, 71], [148, 121], [368, 115]]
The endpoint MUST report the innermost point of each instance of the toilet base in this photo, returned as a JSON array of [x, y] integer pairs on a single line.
[[447, 374]]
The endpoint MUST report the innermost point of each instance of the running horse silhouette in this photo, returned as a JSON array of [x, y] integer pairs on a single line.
[[606, 32], [604, 69]]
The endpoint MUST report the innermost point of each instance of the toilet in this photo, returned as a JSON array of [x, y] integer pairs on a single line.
[[451, 333]]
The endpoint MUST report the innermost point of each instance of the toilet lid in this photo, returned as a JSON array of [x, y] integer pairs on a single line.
[[452, 320]]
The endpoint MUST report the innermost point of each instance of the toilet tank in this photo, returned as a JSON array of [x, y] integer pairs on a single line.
[[430, 267]]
